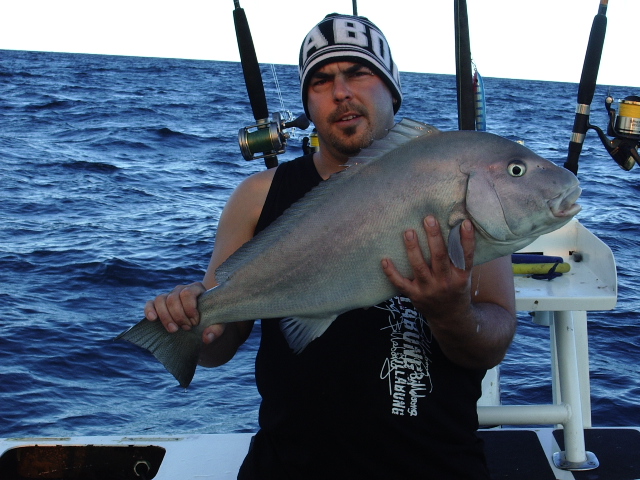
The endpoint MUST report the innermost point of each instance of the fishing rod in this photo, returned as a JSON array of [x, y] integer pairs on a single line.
[[268, 137], [464, 79], [624, 126], [587, 86]]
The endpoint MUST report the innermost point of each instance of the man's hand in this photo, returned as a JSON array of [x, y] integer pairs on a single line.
[[439, 288], [473, 328], [179, 309]]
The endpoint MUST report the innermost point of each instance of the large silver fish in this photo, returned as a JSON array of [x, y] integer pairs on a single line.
[[322, 257]]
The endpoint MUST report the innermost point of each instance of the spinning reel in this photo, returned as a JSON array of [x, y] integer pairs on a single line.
[[624, 127]]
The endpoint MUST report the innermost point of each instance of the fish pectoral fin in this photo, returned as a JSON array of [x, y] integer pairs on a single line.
[[456, 253], [178, 351], [300, 331]]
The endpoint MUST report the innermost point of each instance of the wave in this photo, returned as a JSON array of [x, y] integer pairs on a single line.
[[166, 132], [109, 142], [51, 105], [93, 167]]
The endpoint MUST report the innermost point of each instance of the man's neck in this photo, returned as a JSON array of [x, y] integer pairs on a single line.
[[327, 164]]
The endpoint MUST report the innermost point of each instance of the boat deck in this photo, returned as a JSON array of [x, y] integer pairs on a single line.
[[526, 454], [518, 454]]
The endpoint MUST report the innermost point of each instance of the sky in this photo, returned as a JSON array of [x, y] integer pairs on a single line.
[[530, 39]]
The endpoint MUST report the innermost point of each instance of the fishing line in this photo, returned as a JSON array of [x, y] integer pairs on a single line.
[[275, 79]]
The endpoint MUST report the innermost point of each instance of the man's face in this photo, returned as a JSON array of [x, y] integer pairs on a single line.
[[350, 107]]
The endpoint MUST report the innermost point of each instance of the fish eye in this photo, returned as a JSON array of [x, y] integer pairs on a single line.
[[517, 168]]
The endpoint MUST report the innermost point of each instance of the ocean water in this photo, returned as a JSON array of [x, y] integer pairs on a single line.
[[113, 174]]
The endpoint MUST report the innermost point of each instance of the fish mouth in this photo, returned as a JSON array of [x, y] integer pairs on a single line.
[[564, 205]]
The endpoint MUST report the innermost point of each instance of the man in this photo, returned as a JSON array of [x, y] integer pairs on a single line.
[[389, 391]]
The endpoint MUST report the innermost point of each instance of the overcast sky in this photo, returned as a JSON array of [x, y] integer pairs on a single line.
[[529, 39]]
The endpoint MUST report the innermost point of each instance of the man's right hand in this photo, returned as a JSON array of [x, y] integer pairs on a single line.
[[177, 309]]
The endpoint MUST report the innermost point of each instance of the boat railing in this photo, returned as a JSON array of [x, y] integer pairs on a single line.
[[561, 304]]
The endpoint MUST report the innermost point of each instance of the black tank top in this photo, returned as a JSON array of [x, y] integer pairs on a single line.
[[373, 398]]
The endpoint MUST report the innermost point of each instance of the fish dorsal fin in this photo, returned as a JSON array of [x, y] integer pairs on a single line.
[[402, 132], [300, 332]]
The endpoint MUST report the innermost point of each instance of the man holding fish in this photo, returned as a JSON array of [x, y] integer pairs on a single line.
[[378, 388]]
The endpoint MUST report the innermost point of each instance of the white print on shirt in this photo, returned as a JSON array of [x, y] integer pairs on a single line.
[[407, 367]]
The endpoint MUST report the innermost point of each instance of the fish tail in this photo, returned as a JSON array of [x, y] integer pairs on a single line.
[[178, 351]]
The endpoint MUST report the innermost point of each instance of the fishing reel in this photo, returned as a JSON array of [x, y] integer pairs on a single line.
[[269, 138], [624, 127]]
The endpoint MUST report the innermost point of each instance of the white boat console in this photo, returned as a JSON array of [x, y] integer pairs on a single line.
[[561, 304]]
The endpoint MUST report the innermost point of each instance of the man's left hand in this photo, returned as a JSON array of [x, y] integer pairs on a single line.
[[440, 288]]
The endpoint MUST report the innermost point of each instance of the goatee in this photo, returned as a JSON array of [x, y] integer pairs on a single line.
[[348, 142]]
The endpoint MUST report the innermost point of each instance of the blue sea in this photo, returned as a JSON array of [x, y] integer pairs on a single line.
[[114, 171]]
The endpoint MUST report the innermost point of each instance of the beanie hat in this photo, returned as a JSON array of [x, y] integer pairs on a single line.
[[348, 38]]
